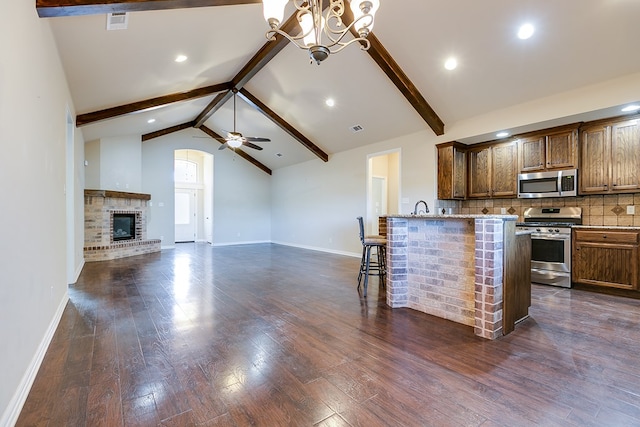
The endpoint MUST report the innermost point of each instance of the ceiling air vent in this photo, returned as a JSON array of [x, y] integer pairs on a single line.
[[356, 128], [117, 21]]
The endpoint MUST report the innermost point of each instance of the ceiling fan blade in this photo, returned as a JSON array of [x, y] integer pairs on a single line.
[[223, 146], [256, 139], [250, 145]]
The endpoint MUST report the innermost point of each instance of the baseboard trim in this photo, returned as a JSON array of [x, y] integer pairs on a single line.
[[315, 248], [256, 242], [11, 414]]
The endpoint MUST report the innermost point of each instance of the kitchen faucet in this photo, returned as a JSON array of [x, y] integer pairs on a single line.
[[426, 208]]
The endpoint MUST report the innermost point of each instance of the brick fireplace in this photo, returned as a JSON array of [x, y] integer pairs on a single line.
[[100, 209]]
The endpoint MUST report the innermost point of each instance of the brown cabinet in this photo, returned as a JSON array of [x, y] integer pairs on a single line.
[[452, 171], [606, 257], [549, 150], [517, 277], [492, 170], [610, 157]]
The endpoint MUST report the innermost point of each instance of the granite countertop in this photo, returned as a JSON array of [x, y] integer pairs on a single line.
[[602, 227], [453, 216]]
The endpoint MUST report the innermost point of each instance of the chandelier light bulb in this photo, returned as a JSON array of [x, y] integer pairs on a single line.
[[273, 11], [364, 25], [322, 33]]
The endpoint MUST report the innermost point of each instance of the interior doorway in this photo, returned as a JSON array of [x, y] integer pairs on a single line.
[[193, 197], [383, 187]]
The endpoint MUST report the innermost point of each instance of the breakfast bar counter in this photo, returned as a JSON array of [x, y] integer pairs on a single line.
[[459, 267]]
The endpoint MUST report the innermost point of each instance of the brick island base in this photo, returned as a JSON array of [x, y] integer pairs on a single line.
[[450, 266]]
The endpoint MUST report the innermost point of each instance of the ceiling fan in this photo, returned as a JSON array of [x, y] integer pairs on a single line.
[[235, 139]]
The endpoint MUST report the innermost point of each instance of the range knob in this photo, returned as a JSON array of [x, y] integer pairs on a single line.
[[538, 230], [557, 230]]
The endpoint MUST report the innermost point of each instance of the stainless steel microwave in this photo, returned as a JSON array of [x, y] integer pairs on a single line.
[[562, 183]]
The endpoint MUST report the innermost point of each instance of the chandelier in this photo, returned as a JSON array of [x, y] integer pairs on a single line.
[[322, 35]]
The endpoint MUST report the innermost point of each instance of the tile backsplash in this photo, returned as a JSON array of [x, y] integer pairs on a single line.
[[596, 210]]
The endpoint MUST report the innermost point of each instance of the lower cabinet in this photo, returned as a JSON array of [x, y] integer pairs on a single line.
[[606, 257], [517, 279]]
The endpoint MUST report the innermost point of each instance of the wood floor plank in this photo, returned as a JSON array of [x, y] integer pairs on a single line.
[[198, 335]]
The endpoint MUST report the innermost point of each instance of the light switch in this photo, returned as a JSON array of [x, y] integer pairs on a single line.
[[631, 210]]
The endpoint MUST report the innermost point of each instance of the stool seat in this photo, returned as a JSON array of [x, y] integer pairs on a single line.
[[377, 266]]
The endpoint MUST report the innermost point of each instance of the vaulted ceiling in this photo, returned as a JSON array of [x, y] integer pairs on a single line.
[[121, 79]]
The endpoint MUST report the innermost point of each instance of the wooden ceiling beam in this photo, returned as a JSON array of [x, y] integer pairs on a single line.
[[136, 107], [266, 53], [261, 107], [390, 67], [167, 131], [212, 107], [238, 151], [56, 8]]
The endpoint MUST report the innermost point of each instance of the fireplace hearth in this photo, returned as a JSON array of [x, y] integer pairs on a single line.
[[116, 225]]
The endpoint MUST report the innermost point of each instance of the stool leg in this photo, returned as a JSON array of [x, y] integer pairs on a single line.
[[362, 263], [366, 270]]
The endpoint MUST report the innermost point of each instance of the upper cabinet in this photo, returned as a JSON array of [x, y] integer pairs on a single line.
[[493, 170], [552, 149], [610, 157], [452, 171]]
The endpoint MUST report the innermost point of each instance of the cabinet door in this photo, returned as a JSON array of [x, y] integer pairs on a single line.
[[606, 265], [479, 173], [445, 172], [451, 172], [625, 156], [561, 150], [504, 163], [594, 153], [532, 156], [459, 174]]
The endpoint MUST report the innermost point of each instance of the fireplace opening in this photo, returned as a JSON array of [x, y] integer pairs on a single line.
[[124, 226]]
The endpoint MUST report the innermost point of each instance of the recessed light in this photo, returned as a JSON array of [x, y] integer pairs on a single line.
[[330, 102], [151, 120], [181, 58], [502, 134], [630, 108], [525, 31], [451, 63]]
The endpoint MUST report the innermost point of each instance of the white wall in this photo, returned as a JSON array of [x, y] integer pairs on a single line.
[[33, 102], [315, 204], [121, 163], [242, 195], [92, 170]]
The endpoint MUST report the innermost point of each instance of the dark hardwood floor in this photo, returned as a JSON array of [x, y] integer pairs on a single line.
[[269, 335]]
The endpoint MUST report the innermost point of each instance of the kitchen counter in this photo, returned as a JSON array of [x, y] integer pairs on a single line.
[[603, 227], [452, 266], [455, 216]]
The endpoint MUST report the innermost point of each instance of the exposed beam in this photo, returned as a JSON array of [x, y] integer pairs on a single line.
[[167, 131], [266, 53], [238, 151], [135, 107], [393, 71], [258, 105], [212, 107], [54, 8], [404, 84]]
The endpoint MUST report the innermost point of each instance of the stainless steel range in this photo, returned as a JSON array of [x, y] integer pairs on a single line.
[[551, 243]]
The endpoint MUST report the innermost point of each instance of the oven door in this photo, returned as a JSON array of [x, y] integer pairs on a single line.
[[551, 259]]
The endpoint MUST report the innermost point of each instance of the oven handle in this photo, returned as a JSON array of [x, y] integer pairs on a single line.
[[551, 236]]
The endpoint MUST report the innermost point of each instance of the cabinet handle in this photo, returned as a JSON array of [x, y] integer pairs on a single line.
[[604, 236]]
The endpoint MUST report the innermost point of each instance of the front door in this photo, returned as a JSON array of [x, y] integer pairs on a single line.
[[185, 215]]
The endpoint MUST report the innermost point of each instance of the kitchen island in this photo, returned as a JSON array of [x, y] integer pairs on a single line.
[[458, 267]]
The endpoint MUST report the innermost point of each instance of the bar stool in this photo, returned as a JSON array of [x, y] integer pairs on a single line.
[[377, 266]]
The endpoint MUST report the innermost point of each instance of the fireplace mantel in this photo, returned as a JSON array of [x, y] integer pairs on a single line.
[[116, 194]]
